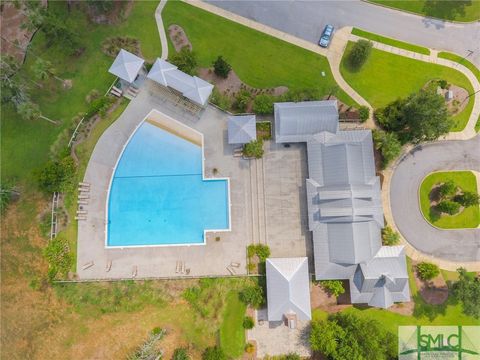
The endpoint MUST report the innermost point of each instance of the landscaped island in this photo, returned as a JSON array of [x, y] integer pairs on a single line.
[[449, 200]]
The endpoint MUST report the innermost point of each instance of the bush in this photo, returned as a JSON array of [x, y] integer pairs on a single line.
[[442, 83], [390, 237], [447, 189], [364, 112], [58, 256], [467, 290], [292, 356], [186, 61], [111, 46], [333, 287], [248, 322], [57, 175], [252, 295], [427, 271], [242, 99], [359, 53], [221, 67], [249, 348], [222, 101], [467, 199], [388, 145], [263, 104], [180, 354], [99, 106], [213, 353], [448, 207], [262, 251], [254, 149], [297, 95]]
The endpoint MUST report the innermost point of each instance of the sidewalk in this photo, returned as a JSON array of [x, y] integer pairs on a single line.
[[161, 29]]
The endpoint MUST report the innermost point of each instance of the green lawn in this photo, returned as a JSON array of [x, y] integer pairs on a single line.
[[232, 333], [258, 59], [468, 218], [477, 125], [25, 144], [390, 41], [461, 60], [385, 77], [457, 10]]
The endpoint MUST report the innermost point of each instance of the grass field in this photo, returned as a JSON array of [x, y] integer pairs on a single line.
[[232, 333], [385, 77], [457, 10], [390, 41], [468, 218], [461, 60], [258, 59], [25, 144]]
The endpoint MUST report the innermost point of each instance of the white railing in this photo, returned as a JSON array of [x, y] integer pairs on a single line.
[[53, 226]]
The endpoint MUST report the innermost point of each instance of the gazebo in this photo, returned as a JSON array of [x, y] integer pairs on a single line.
[[241, 129], [127, 67]]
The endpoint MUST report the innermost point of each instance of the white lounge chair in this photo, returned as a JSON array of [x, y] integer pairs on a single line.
[[108, 266], [87, 265], [134, 272]]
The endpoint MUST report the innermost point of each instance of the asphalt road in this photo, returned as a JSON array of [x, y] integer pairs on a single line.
[[453, 245], [306, 20]]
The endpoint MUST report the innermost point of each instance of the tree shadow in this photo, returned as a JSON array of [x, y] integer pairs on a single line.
[[449, 10], [423, 309]]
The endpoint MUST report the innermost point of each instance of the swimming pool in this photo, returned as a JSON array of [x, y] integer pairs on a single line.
[[158, 195]]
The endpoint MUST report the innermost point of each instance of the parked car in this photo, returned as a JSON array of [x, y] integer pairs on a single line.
[[326, 36]]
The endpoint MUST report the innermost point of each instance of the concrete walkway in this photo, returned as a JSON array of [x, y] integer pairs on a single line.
[[161, 29]]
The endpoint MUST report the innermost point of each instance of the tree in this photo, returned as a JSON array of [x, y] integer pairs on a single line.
[[253, 149], [242, 99], [42, 69], [333, 287], [467, 290], [252, 295], [28, 110], [448, 207], [359, 53], [221, 67], [58, 30], [263, 104], [180, 354], [390, 237], [427, 271], [388, 145], [56, 175], [447, 189], [213, 353], [248, 322], [349, 336], [34, 14], [467, 199], [363, 112], [186, 61], [390, 117]]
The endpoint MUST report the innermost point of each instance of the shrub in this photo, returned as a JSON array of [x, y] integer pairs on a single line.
[[248, 322], [186, 61], [442, 83], [427, 271], [333, 287], [292, 356], [221, 67], [180, 354], [98, 106], [390, 237], [297, 95], [242, 100], [364, 112], [467, 199], [251, 250], [448, 207], [213, 353], [359, 53], [224, 102], [111, 46], [447, 189], [254, 149], [467, 290], [249, 348], [58, 256], [252, 295], [388, 145], [262, 251], [57, 175], [263, 104]]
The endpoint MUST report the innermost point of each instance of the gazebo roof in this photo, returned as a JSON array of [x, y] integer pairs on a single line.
[[126, 66], [241, 129]]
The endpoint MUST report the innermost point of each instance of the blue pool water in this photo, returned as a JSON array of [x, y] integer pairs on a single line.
[[157, 195]]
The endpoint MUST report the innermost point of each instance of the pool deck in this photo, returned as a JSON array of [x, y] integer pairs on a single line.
[[267, 205]]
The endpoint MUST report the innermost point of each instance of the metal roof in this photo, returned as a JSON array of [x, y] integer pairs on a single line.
[[126, 66], [297, 122], [192, 87], [288, 288], [241, 129]]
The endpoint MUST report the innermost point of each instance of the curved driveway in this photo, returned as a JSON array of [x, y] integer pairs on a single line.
[[453, 245], [306, 19]]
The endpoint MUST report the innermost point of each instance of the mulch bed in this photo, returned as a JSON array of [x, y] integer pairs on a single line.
[[178, 37], [435, 291]]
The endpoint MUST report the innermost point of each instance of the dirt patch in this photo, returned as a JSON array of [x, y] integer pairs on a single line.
[[14, 39], [435, 291], [405, 308], [320, 299], [179, 38]]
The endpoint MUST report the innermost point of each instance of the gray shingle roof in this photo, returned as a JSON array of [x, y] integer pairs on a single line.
[[344, 204], [288, 288], [126, 66], [241, 129], [297, 122], [192, 87]]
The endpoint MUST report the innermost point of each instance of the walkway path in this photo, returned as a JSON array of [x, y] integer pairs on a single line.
[[161, 29]]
